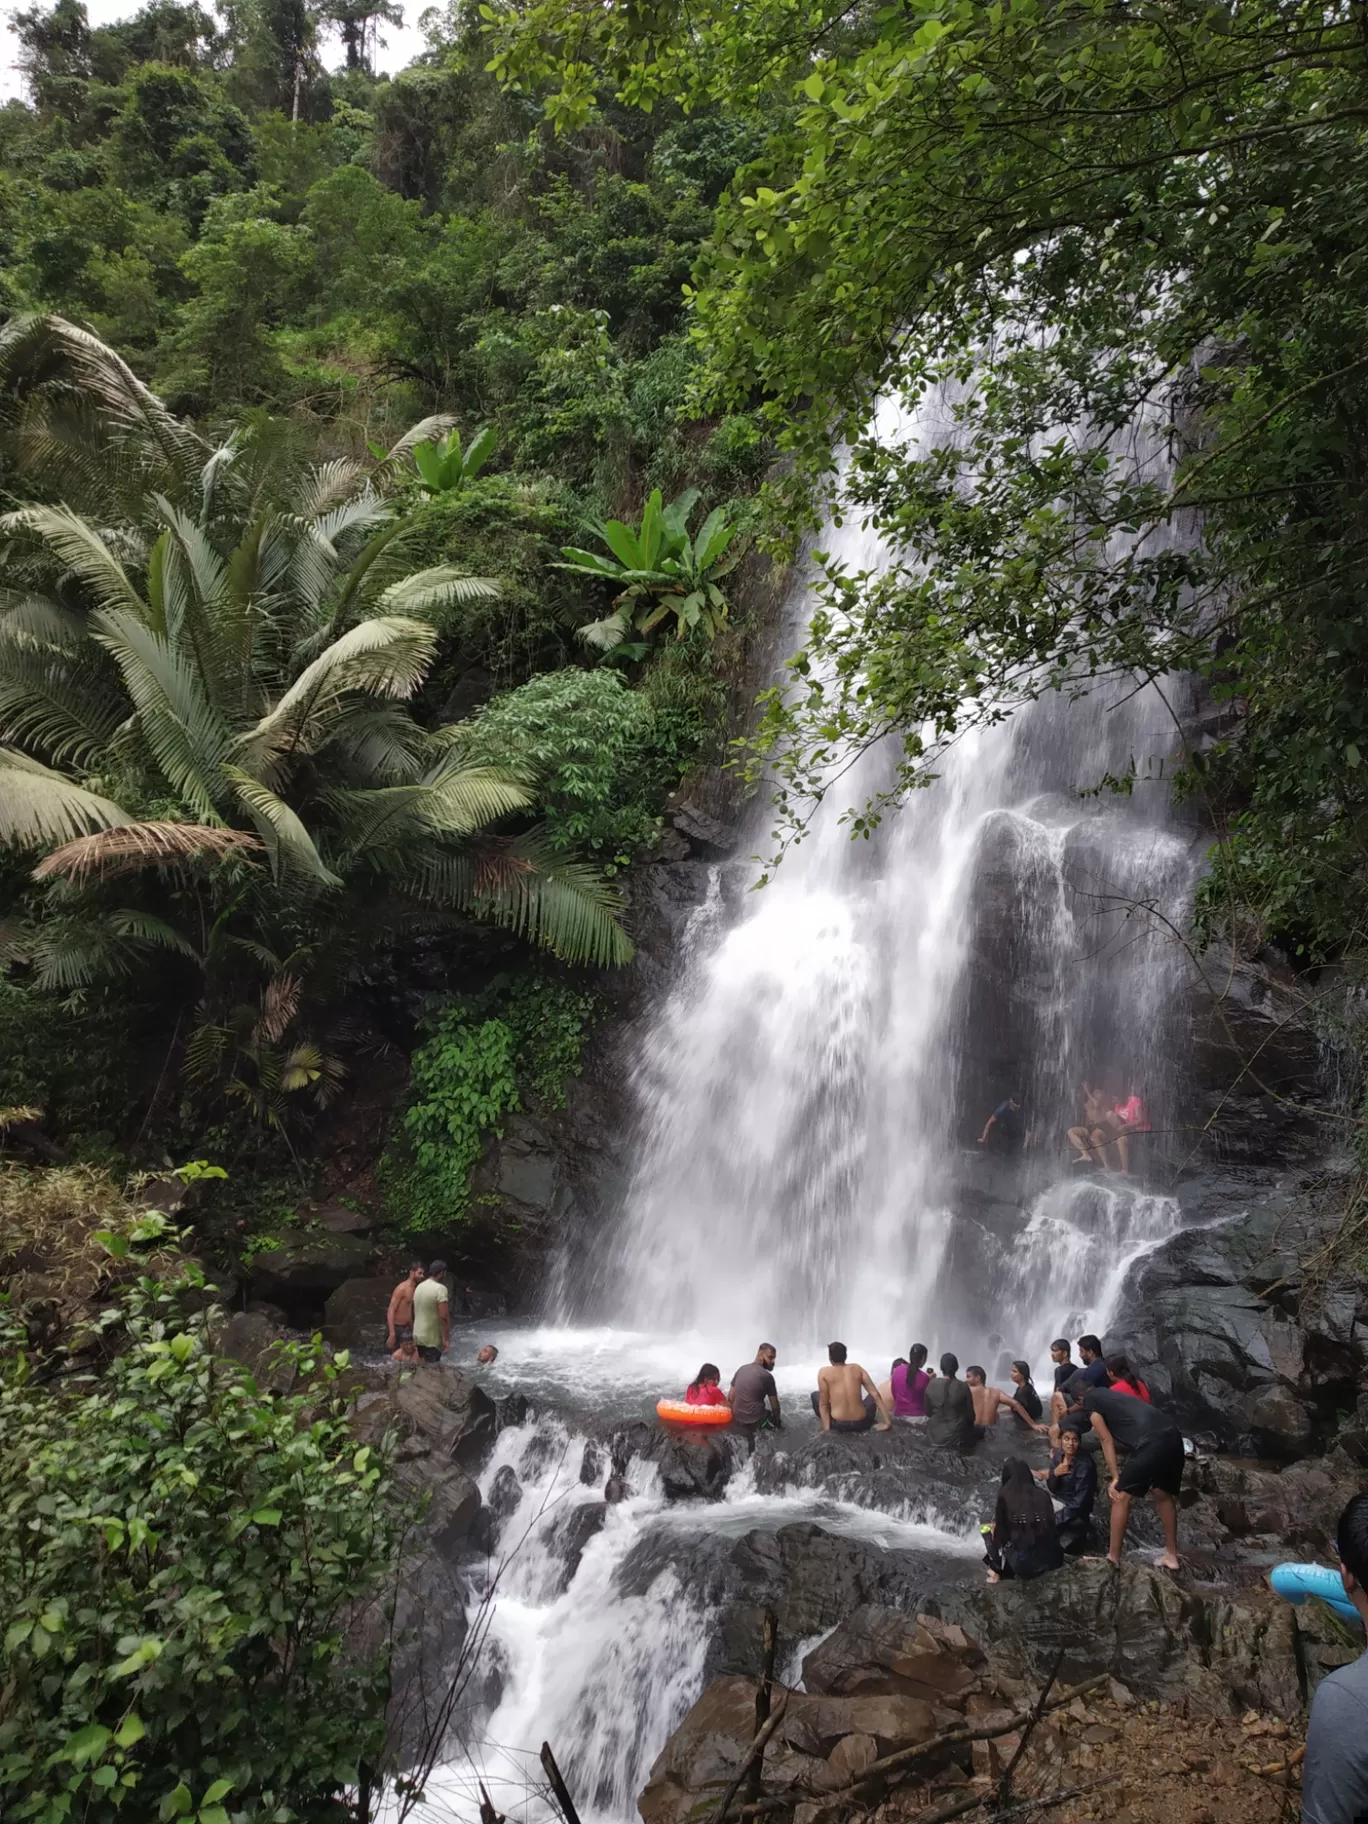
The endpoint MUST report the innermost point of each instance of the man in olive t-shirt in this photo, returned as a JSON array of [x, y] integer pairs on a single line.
[[431, 1314], [753, 1396]]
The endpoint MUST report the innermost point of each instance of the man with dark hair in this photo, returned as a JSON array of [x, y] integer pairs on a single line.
[[989, 1402], [846, 1399], [432, 1314], [950, 1408], [399, 1316], [1093, 1373], [753, 1396], [1094, 1369], [1061, 1356], [1335, 1771], [1153, 1465], [1005, 1129]]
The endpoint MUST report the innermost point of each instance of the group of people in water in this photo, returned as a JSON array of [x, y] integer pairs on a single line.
[[1103, 1136], [1098, 1406]]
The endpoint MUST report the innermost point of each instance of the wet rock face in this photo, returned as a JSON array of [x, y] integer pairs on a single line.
[[1225, 1331], [1222, 1654], [354, 1315], [898, 1471]]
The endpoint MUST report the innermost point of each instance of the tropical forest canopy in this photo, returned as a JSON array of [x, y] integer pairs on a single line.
[[378, 453]]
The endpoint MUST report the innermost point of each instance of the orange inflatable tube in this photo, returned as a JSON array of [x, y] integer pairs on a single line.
[[679, 1412]]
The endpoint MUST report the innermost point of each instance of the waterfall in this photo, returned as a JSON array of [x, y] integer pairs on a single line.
[[812, 1091], [810, 1098]]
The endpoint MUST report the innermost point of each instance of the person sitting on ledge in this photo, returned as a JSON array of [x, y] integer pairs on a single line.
[[1073, 1482], [1026, 1394], [846, 1399], [909, 1384], [1124, 1379], [1093, 1373], [950, 1408], [1022, 1541], [989, 1402], [706, 1387]]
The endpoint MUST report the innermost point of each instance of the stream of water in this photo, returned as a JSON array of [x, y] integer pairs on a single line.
[[810, 1099]]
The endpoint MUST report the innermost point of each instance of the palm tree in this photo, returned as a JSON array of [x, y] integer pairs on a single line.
[[213, 691]]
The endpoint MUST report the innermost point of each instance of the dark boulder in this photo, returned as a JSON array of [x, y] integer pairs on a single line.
[[882, 1651], [898, 1471], [694, 1467], [354, 1315], [254, 1341], [310, 1262], [579, 1526], [1221, 1654]]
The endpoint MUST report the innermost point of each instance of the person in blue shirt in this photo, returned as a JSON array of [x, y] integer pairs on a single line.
[[1335, 1771], [1072, 1481]]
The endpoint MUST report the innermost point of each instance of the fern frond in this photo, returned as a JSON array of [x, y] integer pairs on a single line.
[[132, 846]]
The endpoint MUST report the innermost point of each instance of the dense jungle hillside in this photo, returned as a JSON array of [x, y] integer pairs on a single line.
[[401, 478], [316, 387]]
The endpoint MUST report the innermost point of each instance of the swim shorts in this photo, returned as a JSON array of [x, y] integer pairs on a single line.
[[403, 1333], [1158, 1463], [429, 1355]]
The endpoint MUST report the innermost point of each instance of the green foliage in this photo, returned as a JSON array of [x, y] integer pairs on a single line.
[[1089, 226], [181, 1557], [444, 468], [589, 742], [662, 570], [523, 1036]]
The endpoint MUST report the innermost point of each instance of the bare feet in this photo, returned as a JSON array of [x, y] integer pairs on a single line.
[[993, 1577], [1166, 1563]]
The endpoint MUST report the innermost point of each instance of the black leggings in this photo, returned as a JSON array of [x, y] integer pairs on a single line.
[[870, 1412]]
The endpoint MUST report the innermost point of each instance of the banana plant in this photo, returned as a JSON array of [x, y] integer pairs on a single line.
[[660, 570], [444, 468]]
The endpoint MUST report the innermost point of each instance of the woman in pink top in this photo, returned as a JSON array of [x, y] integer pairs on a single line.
[[909, 1384], [1128, 1118]]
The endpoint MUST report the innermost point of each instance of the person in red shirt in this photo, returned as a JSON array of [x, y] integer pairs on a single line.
[[706, 1388], [1124, 1379]]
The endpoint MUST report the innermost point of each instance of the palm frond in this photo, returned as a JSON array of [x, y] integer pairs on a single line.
[[330, 484], [279, 1005], [132, 846], [433, 592], [39, 806], [386, 657], [563, 906], [27, 619], [289, 844], [68, 708], [362, 514], [82, 554], [381, 741], [187, 735], [427, 430]]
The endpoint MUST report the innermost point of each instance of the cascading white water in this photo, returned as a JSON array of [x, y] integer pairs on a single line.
[[813, 1090], [811, 1095]]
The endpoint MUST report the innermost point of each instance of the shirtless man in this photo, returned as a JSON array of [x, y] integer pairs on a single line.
[[846, 1399], [989, 1402], [1089, 1138], [399, 1316]]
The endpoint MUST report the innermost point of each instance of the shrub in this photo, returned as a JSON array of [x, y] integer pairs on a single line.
[[181, 1556]]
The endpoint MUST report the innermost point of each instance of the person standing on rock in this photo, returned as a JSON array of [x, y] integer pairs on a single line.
[[399, 1316], [950, 1408], [846, 1399], [432, 1314], [1153, 1465], [753, 1396], [1335, 1771]]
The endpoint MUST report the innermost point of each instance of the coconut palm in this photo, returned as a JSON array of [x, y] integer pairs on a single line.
[[214, 690]]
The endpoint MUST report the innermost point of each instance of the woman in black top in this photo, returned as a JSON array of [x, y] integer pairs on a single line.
[[1026, 1395], [1022, 1541]]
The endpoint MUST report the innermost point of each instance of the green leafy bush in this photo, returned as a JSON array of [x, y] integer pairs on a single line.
[[181, 1557], [523, 1037], [589, 741]]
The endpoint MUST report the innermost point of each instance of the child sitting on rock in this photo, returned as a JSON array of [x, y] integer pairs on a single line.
[[706, 1388]]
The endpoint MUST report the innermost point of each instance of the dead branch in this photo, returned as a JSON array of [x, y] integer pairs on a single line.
[[753, 1754], [894, 1763], [1005, 1784]]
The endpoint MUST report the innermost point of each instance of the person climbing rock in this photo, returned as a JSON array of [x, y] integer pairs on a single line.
[[1335, 1771], [1153, 1466], [1005, 1130], [950, 1408], [846, 1399]]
